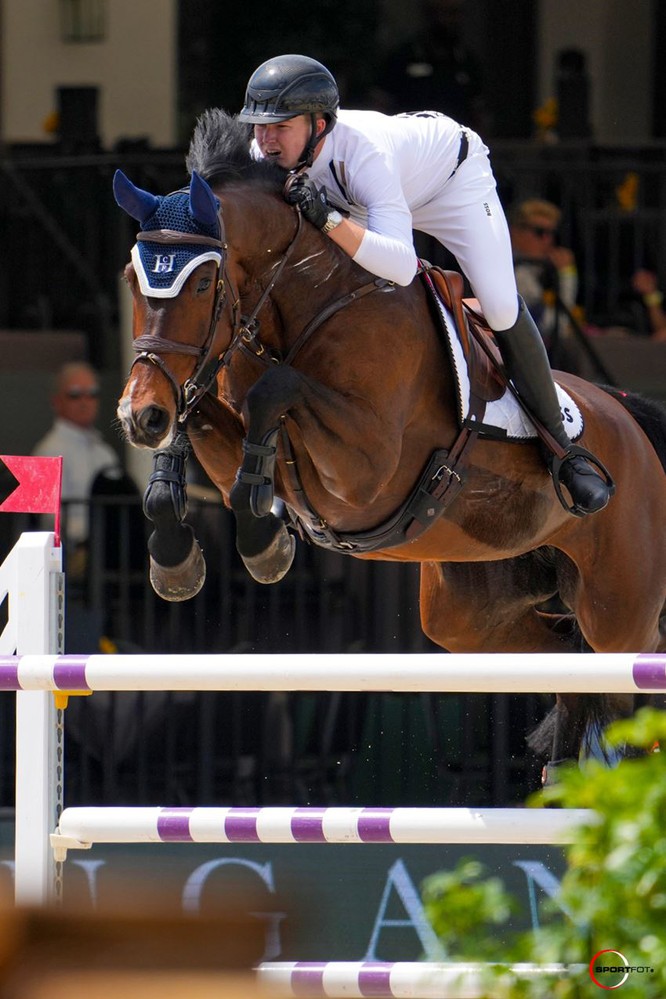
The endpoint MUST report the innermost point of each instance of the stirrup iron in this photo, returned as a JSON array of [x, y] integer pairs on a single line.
[[556, 463]]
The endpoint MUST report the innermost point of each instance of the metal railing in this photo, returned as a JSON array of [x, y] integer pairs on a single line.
[[58, 210]]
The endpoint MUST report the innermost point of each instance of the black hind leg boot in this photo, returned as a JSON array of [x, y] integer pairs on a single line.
[[526, 362]]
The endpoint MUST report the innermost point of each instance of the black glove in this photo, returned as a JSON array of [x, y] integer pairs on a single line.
[[311, 200]]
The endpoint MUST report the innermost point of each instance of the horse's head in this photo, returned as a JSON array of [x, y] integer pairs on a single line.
[[177, 277], [204, 276]]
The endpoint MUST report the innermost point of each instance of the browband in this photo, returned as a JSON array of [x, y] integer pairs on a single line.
[[173, 236]]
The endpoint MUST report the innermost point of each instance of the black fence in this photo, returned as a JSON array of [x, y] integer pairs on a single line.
[[65, 240], [273, 748]]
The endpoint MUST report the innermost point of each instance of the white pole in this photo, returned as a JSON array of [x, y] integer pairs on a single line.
[[38, 608], [616, 672], [393, 980], [82, 826]]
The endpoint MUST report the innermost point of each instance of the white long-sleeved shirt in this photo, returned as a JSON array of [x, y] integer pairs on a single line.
[[85, 453], [381, 169]]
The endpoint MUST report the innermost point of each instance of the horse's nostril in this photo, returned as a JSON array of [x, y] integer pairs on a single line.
[[153, 421]]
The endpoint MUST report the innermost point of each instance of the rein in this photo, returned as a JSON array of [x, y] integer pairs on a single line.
[[245, 330]]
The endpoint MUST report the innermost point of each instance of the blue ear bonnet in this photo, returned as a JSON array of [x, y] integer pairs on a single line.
[[173, 212], [162, 268]]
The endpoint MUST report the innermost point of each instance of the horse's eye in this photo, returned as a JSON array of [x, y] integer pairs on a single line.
[[204, 285]]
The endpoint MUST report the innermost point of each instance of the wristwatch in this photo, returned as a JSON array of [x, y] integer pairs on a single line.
[[333, 220]]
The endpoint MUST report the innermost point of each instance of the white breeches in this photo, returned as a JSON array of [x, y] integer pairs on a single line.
[[468, 219]]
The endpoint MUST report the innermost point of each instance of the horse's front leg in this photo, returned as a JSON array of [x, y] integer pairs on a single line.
[[351, 443], [177, 567], [262, 539]]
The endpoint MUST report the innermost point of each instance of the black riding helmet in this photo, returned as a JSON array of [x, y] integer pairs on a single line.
[[287, 86]]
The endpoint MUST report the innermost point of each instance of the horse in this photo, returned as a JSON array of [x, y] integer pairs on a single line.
[[320, 401]]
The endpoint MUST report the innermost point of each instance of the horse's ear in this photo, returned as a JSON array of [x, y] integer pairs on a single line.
[[204, 206], [137, 203]]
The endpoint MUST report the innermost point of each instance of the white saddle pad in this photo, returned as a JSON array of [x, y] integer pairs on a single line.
[[504, 414]]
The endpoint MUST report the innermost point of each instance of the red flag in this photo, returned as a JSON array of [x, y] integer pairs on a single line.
[[37, 487]]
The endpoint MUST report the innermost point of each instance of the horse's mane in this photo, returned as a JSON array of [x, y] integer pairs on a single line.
[[220, 152]]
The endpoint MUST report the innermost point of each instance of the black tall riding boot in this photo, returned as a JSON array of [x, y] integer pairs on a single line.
[[526, 361]]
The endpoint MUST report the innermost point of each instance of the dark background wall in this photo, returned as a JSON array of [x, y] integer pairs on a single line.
[[218, 49]]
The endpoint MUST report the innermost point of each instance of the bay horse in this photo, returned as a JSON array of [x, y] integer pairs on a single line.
[[320, 401]]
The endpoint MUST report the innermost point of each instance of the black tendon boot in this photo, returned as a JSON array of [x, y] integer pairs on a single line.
[[527, 366]]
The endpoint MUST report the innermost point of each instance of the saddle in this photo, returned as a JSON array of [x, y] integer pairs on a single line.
[[484, 363]]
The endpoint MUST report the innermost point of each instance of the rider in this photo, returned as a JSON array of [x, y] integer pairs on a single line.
[[393, 174]]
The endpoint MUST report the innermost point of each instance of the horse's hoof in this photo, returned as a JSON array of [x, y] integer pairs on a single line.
[[179, 582], [271, 565]]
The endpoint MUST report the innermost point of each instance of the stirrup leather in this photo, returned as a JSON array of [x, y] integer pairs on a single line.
[[556, 463]]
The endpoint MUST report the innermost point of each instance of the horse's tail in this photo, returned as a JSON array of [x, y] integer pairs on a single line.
[[649, 414], [581, 720], [578, 723]]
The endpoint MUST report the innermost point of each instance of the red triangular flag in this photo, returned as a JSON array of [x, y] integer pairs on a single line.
[[39, 482]]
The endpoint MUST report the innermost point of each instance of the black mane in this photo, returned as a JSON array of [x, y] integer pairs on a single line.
[[220, 152]]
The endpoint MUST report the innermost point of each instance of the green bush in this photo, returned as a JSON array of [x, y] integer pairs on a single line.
[[614, 886]]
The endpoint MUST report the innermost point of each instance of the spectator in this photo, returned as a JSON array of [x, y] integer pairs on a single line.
[[435, 69], [73, 434], [646, 284], [546, 274]]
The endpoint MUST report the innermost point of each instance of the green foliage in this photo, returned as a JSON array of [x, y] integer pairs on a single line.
[[614, 887], [461, 905]]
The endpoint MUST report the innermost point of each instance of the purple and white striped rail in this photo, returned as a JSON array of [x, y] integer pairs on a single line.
[[387, 980], [85, 825], [616, 672]]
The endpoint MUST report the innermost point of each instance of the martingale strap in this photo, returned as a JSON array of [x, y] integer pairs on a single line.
[[377, 284], [439, 484]]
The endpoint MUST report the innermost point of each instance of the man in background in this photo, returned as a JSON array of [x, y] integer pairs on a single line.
[[74, 435]]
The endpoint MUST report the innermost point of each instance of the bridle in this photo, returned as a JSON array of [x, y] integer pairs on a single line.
[[150, 348], [244, 329]]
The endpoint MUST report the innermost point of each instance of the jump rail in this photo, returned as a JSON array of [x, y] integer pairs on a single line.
[[391, 980], [617, 672], [79, 828]]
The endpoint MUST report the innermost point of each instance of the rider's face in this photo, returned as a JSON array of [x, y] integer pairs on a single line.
[[286, 140]]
